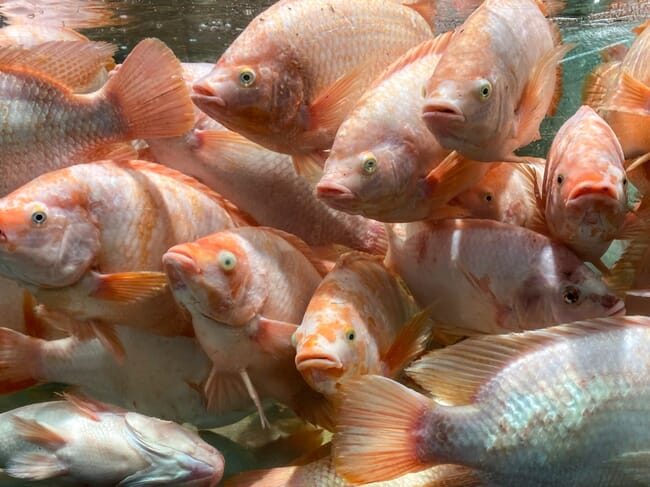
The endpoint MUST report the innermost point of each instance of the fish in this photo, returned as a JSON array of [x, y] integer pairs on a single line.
[[287, 81], [507, 193], [322, 473], [264, 184], [160, 376], [30, 35], [493, 84], [517, 409], [50, 127], [246, 288], [584, 194], [360, 320], [484, 276], [87, 242], [385, 164], [91, 443]]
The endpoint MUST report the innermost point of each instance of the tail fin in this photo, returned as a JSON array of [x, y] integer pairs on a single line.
[[150, 93], [18, 354]]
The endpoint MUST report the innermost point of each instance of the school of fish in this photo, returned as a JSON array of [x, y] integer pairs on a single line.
[[337, 215]]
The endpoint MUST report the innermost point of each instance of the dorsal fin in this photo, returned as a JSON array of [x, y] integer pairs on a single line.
[[455, 374], [436, 45], [597, 83], [71, 63], [239, 217], [302, 247]]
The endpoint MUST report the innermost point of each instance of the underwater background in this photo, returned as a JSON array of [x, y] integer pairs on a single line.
[[200, 30]]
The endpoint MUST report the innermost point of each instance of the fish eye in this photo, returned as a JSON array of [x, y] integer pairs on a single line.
[[571, 295], [294, 339], [227, 260], [624, 181], [488, 197], [350, 335], [485, 90], [369, 164], [247, 77], [560, 179], [39, 217]]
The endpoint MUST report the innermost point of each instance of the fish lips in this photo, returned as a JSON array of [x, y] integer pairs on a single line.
[[604, 192], [318, 360], [209, 103], [337, 196], [438, 112], [178, 264]]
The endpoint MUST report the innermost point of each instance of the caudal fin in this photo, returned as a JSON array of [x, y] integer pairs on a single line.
[[377, 431], [150, 94], [18, 354]]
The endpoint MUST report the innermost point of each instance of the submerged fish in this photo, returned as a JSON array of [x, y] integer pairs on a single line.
[[245, 289], [48, 126], [360, 320], [519, 409], [85, 240], [585, 186], [484, 276], [89, 443], [493, 85], [291, 76]]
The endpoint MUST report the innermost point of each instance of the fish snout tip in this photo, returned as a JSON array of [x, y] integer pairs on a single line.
[[205, 94], [585, 189], [317, 359], [330, 190], [178, 263], [440, 109]]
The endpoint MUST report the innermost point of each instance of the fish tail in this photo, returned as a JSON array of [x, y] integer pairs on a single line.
[[18, 356], [149, 93], [380, 431], [274, 477]]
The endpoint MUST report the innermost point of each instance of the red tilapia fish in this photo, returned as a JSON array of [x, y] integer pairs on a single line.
[[290, 78], [85, 239], [585, 186], [518, 410], [484, 276], [384, 163], [494, 83], [360, 320], [47, 126], [88, 443], [245, 289]]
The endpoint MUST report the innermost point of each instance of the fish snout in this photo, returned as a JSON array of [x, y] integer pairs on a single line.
[[204, 95], [311, 358], [589, 188], [334, 194], [614, 305], [178, 263], [442, 109]]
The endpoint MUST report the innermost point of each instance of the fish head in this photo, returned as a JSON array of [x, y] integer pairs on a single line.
[[466, 115], [47, 239], [256, 94], [369, 181], [175, 454], [213, 277], [332, 344]]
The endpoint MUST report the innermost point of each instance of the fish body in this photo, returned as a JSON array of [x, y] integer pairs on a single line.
[[85, 239], [585, 185], [493, 85], [47, 126], [520, 409], [265, 185], [88, 443], [351, 323], [291, 76], [484, 276], [246, 289]]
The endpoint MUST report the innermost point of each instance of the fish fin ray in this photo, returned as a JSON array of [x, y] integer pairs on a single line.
[[410, 342], [152, 97], [274, 336], [635, 465], [34, 326], [596, 84], [129, 287], [631, 96], [35, 466], [17, 352], [315, 408], [452, 176], [36, 432], [309, 166], [426, 8]]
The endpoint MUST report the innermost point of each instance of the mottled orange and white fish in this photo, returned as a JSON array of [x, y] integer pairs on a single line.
[[484, 276], [518, 409], [85, 239], [246, 288], [585, 186], [385, 164], [507, 193], [85, 442], [360, 320], [49, 127], [494, 84], [291, 76]]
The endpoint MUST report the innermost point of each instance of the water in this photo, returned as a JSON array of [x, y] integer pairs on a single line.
[[200, 30]]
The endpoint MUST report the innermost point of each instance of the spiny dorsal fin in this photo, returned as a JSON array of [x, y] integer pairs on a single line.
[[597, 83], [302, 247], [455, 374]]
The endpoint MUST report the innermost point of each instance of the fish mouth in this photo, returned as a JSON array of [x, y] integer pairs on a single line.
[[207, 101], [606, 191], [437, 109], [336, 196], [318, 361], [617, 308], [177, 264]]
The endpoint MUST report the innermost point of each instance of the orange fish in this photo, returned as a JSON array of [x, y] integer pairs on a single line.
[[494, 84], [85, 240], [245, 289], [360, 320], [49, 127], [291, 76], [585, 186]]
